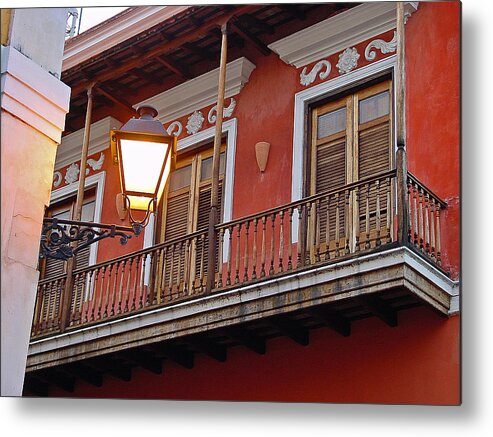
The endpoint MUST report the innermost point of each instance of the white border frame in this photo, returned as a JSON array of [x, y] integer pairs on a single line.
[[301, 101], [96, 180]]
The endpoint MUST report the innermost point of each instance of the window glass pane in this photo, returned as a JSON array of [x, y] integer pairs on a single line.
[[206, 167], [87, 214], [331, 123], [180, 178], [62, 215], [374, 107]]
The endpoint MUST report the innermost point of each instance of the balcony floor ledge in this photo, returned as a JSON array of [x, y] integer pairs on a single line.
[[371, 274]]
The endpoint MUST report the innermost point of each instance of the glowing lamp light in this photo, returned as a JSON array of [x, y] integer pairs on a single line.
[[145, 154]]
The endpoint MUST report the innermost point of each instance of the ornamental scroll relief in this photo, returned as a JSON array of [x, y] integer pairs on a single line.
[[308, 78], [383, 46]]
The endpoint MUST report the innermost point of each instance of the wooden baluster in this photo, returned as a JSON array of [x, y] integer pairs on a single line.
[[438, 236], [378, 241], [421, 224], [357, 219], [409, 213], [73, 309], [127, 288], [262, 255], [107, 299], [337, 225], [120, 289], [135, 296], [367, 218], [114, 292], [230, 236], [220, 258], [273, 223], [388, 223], [280, 268], [415, 215], [427, 223], [171, 268], [101, 292], [186, 270], [432, 225], [245, 260], [142, 293], [346, 221], [178, 273], [290, 239], [299, 262], [310, 233], [37, 310], [317, 229], [202, 264], [327, 230], [52, 304], [254, 255], [162, 285], [237, 258]]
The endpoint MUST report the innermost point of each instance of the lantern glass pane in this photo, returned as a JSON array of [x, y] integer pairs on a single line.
[[142, 162]]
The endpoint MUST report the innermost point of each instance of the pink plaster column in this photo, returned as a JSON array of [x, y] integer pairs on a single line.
[[33, 108]]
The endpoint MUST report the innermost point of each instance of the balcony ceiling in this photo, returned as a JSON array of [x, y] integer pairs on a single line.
[[178, 49]]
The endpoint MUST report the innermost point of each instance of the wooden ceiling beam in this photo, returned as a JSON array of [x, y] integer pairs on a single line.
[[170, 45], [86, 373], [247, 339], [332, 319], [123, 104], [291, 329], [252, 21], [206, 346], [379, 309], [179, 354], [238, 28], [180, 70], [143, 359]]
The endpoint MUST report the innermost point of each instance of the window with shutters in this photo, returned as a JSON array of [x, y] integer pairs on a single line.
[[65, 210], [187, 204], [351, 140]]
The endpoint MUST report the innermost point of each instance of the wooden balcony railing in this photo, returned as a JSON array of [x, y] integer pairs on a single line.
[[357, 218]]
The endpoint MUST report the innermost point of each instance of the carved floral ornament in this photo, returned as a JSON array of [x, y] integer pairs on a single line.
[[195, 121], [348, 60], [73, 170]]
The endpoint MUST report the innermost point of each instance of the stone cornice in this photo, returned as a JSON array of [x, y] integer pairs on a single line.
[[33, 95], [137, 20], [339, 32], [200, 92]]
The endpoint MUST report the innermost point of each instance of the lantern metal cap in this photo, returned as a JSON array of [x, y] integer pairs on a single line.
[[146, 123]]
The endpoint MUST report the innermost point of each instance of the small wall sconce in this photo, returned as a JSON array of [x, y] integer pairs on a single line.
[[262, 153]]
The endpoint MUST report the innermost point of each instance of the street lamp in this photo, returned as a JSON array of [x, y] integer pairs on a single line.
[[145, 154]]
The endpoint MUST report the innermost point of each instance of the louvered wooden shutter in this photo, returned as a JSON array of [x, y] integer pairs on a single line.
[[177, 216], [373, 142]]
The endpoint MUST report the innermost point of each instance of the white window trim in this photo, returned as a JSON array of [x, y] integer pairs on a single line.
[[94, 181], [301, 101]]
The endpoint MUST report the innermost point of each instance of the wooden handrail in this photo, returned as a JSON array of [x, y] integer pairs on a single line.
[[421, 185]]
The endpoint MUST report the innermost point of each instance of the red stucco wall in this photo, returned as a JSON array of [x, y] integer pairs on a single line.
[[414, 363], [417, 362], [433, 111]]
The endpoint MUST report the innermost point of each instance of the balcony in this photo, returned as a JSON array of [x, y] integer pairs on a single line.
[[370, 248]]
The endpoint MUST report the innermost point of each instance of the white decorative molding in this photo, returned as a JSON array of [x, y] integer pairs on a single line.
[[96, 165], [195, 122], [33, 95], [227, 112], [72, 173], [57, 179], [333, 35], [200, 91], [383, 46], [306, 97], [69, 149], [348, 60], [114, 31], [307, 79], [175, 125]]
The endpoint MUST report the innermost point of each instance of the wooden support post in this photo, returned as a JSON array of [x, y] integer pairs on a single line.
[[401, 164], [66, 298], [214, 213]]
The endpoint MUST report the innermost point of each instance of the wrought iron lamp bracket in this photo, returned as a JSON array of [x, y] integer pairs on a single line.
[[62, 239]]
